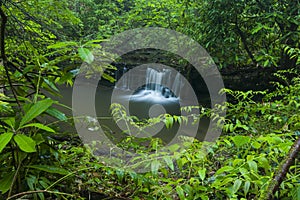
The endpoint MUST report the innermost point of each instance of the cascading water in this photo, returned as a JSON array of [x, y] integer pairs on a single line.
[[161, 88], [157, 82], [160, 85]]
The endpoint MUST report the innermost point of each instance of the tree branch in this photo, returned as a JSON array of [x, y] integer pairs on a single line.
[[282, 171], [245, 43]]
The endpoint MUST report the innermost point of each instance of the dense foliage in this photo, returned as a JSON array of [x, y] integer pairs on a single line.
[[43, 43]]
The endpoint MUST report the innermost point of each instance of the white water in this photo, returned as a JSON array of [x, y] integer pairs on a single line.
[[160, 85]]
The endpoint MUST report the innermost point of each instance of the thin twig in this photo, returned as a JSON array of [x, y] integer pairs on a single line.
[[14, 178], [38, 191]]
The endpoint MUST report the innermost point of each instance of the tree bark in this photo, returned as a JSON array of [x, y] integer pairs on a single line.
[[282, 171]]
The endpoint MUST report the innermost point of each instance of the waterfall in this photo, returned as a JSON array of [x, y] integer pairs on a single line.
[[159, 83], [156, 79], [162, 83]]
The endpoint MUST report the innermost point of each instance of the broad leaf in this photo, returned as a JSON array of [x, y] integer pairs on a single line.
[[40, 126], [240, 140], [31, 180], [246, 187], [4, 140], [10, 122], [57, 114], [169, 121], [41, 195], [169, 162], [36, 110], [86, 55], [25, 143], [180, 192], [252, 165], [202, 173], [51, 84], [236, 186], [188, 190], [5, 183], [224, 169], [155, 164]]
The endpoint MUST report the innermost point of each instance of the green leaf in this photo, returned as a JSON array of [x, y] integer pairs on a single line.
[[276, 140], [86, 55], [224, 169], [57, 114], [174, 147], [108, 77], [51, 84], [49, 169], [169, 121], [36, 110], [169, 162], [155, 166], [257, 28], [227, 142], [40, 126], [264, 163], [203, 196], [296, 193], [237, 161], [25, 143], [61, 45], [245, 127], [236, 186], [44, 182], [225, 181], [240, 140], [41, 195], [252, 165], [6, 182], [180, 192], [120, 174], [31, 180], [187, 189], [256, 145], [243, 171], [246, 187], [38, 138], [202, 173], [94, 42], [10, 122], [4, 140]]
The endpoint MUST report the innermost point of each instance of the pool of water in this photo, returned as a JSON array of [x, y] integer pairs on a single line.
[[142, 105]]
